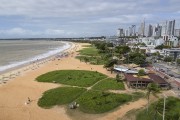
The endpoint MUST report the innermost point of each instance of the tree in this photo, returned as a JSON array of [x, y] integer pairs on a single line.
[[110, 63], [178, 64], [172, 108], [109, 44], [122, 49], [141, 72], [160, 47], [151, 88], [86, 60], [178, 61], [156, 54], [168, 59], [136, 57], [118, 78]]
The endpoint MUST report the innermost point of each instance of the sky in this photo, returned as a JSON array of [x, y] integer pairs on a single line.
[[80, 18]]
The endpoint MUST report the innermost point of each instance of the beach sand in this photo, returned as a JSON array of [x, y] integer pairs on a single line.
[[14, 94]]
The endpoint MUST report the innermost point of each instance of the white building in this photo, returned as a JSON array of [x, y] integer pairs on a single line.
[[150, 41], [177, 33], [126, 33], [172, 41]]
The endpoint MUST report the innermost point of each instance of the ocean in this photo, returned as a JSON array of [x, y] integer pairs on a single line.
[[14, 53]]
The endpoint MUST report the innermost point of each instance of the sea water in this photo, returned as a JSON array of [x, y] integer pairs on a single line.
[[14, 53]]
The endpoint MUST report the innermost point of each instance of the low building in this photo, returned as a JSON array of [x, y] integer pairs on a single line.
[[173, 52], [134, 81], [151, 41], [120, 68], [172, 41]]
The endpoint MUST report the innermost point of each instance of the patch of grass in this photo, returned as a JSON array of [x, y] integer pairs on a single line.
[[94, 60], [156, 110], [80, 78], [86, 45], [59, 96], [137, 95], [100, 102], [90, 51], [92, 55], [130, 115], [109, 84]]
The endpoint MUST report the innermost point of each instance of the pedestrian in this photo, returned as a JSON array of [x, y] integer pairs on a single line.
[[29, 100]]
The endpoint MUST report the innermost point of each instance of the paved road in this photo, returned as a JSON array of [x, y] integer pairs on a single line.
[[169, 70], [164, 72]]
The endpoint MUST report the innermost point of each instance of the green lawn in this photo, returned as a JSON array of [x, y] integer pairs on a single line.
[[100, 102], [172, 110], [59, 96], [72, 77], [109, 84], [92, 101], [92, 55], [94, 60], [90, 51]]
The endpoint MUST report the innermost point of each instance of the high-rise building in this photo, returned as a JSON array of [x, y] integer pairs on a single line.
[[130, 31], [164, 30], [149, 30], [126, 32], [170, 28], [157, 30], [142, 29], [168, 31], [120, 32], [133, 30]]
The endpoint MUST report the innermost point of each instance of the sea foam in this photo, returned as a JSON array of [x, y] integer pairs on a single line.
[[38, 57]]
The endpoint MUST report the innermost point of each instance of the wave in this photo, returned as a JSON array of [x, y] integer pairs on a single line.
[[38, 57]]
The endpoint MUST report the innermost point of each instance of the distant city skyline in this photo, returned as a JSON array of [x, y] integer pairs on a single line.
[[79, 18]]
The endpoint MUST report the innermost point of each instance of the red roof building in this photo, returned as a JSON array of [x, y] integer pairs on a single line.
[[134, 81]]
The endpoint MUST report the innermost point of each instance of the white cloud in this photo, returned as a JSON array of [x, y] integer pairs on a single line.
[[16, 31], [79, 17], [27, 33], [67, 8], [122, 19]]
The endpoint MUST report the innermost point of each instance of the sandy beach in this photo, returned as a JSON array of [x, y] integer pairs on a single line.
[[16, 91]]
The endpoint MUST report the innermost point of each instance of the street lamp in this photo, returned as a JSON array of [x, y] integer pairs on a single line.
[[164, 106]]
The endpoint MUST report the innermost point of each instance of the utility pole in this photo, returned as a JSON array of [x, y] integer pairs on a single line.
[[164, 106]]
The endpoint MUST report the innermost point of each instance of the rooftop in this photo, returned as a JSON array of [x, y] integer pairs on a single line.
[[148, 78]]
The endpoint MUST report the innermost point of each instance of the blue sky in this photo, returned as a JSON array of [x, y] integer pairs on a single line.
[[80, 18]]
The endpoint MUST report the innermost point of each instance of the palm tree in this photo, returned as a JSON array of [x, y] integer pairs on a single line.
[[141, 72], [86, 60], [151, 88]]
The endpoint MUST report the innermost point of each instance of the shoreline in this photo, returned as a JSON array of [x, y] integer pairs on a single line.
[[15, 93], [39, 57], [13, 72]]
